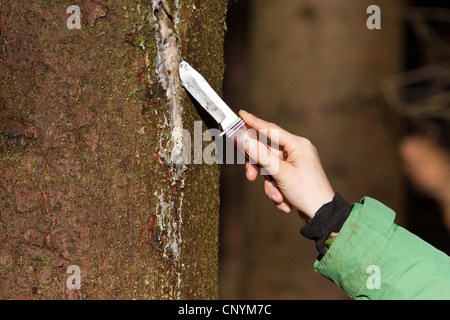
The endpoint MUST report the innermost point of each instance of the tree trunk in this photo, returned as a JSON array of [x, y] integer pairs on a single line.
[[311, 63], [91, 128]]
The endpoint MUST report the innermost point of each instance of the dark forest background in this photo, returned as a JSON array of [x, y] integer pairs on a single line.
[[374, 102]]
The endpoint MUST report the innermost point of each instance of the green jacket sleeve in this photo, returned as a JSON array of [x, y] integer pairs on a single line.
[[373, 258]]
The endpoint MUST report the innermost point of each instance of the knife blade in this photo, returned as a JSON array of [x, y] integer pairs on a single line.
[[200, 89], [233, 126]]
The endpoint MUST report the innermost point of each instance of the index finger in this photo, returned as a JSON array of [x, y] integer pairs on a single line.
[[275, 133]]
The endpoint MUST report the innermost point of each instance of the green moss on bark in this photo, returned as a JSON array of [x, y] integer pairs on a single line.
[[81, 188]]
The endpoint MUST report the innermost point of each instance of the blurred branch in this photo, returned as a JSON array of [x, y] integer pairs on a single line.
[[429, 14], [430, 97], [434, 45], [423, 93]]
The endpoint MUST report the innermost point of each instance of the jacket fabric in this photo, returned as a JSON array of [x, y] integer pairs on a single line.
[[373, 258]]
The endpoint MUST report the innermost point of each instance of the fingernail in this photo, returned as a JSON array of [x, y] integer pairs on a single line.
[[246, 146], [276, 198], [250, 145], [285, 208]]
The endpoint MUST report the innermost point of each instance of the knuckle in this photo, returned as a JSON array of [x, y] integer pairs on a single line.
[[264, 161], [274, 126], [305, 143]]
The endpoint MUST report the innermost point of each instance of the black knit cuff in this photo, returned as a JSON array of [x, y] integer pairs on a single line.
[[329, 218]]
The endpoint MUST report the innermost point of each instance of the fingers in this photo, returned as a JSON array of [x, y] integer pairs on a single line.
[[251, 171], [270, 190], [284, 206], [259, 153], [272, 131], [277, 197], [273, 192], [279, 151]]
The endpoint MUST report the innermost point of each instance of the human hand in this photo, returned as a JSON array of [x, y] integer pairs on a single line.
[[296, 167]]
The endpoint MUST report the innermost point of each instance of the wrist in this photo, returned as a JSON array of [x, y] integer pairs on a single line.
[[327, 222], [320, 201]]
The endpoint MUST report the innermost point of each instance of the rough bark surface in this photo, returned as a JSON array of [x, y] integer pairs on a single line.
[[90, 124]]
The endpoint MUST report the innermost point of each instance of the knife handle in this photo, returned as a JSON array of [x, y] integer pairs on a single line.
[[239, 135]]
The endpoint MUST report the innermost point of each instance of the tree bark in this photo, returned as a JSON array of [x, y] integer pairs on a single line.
[[91, 124]]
